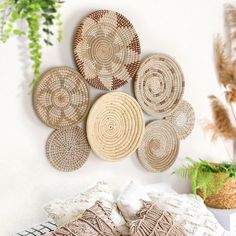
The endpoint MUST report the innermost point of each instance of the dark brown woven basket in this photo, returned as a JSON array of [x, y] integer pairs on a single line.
[[225, 198]]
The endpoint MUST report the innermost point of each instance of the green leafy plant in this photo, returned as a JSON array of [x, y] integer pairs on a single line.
[[36, 20], [206, 177]]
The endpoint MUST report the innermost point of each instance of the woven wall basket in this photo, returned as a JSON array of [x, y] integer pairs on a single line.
[[61, 97], [159, 147], [159, 85], [115, 126], [183, 119], [68, 149], [107, 50]]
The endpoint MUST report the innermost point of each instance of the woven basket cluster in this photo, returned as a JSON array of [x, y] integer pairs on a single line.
[[68, 149], [61, 98], [115, 126], [159, 85], [183, 119], [159, 147], [107, 50]]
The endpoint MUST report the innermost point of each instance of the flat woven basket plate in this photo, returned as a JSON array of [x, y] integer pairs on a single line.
[[68, 149], [159, 85], [107, 50], [61, 97], [115, 126], [159, 147], [183, 119]]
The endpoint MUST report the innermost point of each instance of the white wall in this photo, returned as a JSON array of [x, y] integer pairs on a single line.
[[184, 29]]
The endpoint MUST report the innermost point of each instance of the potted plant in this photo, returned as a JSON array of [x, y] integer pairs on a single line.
[[34, 19], [215, 183]]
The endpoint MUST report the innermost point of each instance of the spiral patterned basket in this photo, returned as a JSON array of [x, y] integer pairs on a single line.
[[107, 50], [183, 119], [159, 85], [115, 126], [159, 147], [61, 98], [68, 149]]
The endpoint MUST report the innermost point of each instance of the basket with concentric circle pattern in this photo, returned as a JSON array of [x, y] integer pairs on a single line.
[[115, 126], [159, 85]]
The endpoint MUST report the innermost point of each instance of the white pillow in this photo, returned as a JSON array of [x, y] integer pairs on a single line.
[[158, 188], [190, 212], [130, 200], [65, 211]]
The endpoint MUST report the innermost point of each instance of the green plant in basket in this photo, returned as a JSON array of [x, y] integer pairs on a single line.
[[206, 177], [36, 20]]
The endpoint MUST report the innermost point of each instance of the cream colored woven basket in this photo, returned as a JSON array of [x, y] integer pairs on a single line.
[[159, 147], [115, 126], [61, 97], [68, 149], [159, 85], [183, 119], [107, 50]]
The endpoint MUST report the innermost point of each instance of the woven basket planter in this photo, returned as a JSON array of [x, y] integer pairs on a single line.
[[225, 198]]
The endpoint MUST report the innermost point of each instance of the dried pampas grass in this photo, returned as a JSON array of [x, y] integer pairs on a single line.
[[230, 93], [221, 125], [230, 17], [225, 67]]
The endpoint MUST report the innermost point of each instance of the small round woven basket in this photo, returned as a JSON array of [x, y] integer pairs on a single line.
[[225, 198], [61, 98], [159, 147], [183, 119], [107, 50], [68, 149], [159, 85], [115, 126]]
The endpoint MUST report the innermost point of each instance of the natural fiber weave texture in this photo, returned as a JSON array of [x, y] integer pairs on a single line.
[[183, 119], [115, 126], [225, 198], [68, 149], [95, 221], [107, 50], [151, 220], [61, 97], [159, 147], [159, 85]]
